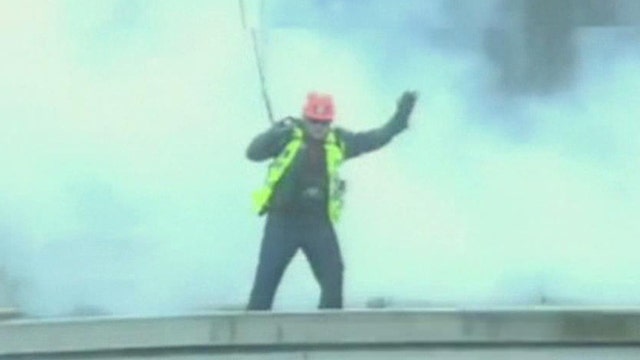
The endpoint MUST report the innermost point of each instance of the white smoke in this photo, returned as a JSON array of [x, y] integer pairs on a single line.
[[125, 125], [125, 186], [487, 199]]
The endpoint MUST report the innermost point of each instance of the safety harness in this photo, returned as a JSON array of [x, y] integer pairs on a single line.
[[335, 152]]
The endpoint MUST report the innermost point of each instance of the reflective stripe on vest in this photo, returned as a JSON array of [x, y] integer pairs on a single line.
[[334, 150]]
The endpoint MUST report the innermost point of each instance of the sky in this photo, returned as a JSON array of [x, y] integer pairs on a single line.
[[125, 188]]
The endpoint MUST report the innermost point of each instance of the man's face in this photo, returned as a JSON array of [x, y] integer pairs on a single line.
[[317, 130]]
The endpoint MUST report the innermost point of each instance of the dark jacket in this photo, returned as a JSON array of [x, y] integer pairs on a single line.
[[308, 170]]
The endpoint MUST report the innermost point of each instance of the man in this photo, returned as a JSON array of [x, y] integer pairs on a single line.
[[303, 193]]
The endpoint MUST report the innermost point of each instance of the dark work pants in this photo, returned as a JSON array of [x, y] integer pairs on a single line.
[[284, 234]]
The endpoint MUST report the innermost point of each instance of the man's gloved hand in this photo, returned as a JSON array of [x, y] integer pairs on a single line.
[[283, 127], [406, 102]]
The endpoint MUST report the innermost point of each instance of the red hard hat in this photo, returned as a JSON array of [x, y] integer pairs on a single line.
[[319, 107]]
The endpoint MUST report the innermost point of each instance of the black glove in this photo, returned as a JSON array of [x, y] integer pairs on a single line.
[[406, 102], [283, 128], [288, 121]]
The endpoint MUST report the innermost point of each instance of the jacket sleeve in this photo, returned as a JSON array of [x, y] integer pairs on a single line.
[[269, 143], [357, 143]]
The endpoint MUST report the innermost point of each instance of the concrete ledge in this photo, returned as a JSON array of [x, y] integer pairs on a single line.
[[332, 329], [8, 313]]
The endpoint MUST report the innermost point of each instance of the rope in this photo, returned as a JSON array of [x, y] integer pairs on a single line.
[[259, 64], [243, 18]]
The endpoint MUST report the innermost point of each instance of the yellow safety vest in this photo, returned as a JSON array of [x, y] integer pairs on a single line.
[[334, 150]]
